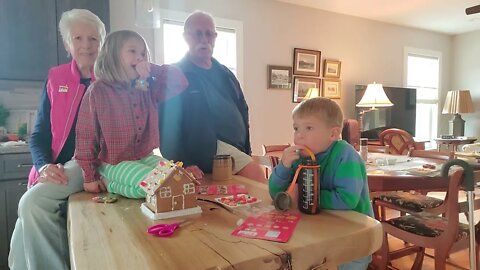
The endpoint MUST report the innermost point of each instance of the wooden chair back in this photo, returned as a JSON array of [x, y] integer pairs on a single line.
[[351, 132], [398, 140], [273, 148], [266, 162]]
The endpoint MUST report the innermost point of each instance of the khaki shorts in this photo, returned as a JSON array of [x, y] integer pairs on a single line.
[[241, 159]]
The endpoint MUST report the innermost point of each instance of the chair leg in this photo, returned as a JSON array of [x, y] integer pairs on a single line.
[[477, 256], [440, 259], [383, 251], [376, 211], [417, 264]]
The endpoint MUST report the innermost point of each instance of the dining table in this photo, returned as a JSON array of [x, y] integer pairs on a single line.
[[114, 236], [409, 173], [387, 172]]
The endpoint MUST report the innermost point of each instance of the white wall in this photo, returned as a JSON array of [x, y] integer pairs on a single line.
[[466, 75], [369, 51]]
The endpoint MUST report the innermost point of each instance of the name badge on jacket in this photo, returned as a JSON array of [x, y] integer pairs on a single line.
[[63, 89]]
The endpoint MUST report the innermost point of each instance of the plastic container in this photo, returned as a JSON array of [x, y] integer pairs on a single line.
[[364, 148], [309, 187]]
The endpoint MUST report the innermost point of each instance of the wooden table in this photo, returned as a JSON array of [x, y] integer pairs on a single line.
[[418, 145], [390, 178], [113, 236], [454, 143], [394, 178]]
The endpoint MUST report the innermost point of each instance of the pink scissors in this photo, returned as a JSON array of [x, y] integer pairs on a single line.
[[166, 230]]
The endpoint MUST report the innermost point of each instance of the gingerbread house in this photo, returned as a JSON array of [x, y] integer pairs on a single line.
[[170, 192]]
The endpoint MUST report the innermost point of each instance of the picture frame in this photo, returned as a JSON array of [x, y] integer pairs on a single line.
[[279, 77], [331, 88], [301, 86], [306, 62], [331, 68]]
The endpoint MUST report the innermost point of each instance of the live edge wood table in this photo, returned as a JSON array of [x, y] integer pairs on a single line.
[[113, 236]]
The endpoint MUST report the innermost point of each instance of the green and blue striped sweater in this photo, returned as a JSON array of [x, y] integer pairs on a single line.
[[343, 179]]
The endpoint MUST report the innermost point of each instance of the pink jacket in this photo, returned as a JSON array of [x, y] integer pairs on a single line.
[[65, 93]]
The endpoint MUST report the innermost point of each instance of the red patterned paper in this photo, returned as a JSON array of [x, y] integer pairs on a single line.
[[221, 189], [273, 226]]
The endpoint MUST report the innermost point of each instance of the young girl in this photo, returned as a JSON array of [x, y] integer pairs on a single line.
[[117, 127]]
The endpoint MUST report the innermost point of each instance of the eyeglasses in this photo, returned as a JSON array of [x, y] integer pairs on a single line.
[[199, 34]]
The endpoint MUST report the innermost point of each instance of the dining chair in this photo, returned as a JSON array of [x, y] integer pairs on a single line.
[[413, 201], [267, 163], [398, 140], [273, 149], [471, 147], [274, 152], [351, 132], [437, 230]]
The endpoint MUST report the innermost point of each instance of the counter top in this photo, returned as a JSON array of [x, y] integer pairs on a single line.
[[10, 148]]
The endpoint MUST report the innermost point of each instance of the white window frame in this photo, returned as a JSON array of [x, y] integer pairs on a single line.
[[425, 53], [188, 188], [179, 16], [165, 192]]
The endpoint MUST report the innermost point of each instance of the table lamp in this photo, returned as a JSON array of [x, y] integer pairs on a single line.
[[456, 102], [312, 93], [373, 97]]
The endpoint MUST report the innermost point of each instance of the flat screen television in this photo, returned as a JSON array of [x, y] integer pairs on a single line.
[[401, 115]]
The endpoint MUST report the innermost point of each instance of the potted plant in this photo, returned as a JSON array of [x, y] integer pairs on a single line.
[[4, 113], [22, 132]]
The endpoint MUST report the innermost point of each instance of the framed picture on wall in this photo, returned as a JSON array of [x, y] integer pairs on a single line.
[[331, 88], [306, 62], [301, 86], [279, 77], [331, 69]]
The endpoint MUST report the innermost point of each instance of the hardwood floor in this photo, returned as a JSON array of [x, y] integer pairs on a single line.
[[457, 261]]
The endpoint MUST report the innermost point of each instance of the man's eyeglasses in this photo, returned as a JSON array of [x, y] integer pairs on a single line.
[[199, 35]]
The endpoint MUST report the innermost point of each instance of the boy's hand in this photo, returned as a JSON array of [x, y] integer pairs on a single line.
[[291, 154]]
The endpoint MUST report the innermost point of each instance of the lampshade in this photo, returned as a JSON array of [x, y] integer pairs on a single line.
[[458, 101], [147, 13], [374, 96], [312, 93]]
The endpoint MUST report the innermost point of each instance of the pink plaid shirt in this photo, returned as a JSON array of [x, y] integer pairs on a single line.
[[117, 122]]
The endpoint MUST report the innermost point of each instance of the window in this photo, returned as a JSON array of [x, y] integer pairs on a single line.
[[188, 188], [165, 192], [423, 73], [170, 46]]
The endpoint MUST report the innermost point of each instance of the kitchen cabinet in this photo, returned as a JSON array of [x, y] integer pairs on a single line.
[[30, 42], [15, 164]]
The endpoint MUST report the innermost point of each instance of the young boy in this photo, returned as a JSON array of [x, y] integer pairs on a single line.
[[317, 124]]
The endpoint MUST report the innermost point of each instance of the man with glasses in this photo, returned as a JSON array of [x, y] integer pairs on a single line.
[[211, 116]]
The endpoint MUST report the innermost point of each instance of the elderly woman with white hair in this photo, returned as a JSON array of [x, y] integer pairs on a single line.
[[40, 240]]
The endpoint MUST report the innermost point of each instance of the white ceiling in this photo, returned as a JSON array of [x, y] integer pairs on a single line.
[[445, 16]]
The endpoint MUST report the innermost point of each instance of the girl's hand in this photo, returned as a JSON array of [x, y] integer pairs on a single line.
[[53, 173], [95, 186], [143, 70], [291, 154], [195, 170]]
